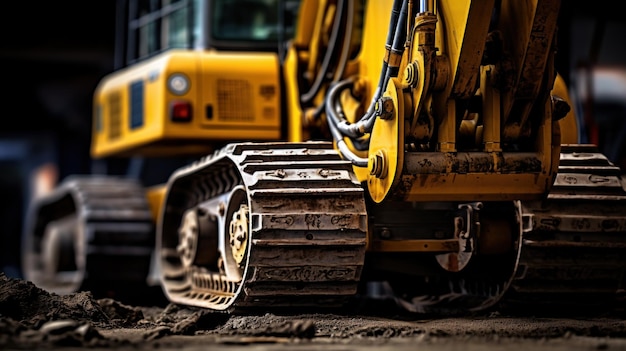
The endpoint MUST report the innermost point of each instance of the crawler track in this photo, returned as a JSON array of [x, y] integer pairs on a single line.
[[574, 243], [302, 244], [92, 233]]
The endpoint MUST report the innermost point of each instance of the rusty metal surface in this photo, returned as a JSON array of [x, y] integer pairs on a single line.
[[471, 162]]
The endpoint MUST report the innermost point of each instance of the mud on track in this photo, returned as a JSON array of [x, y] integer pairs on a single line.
[[31, 318]]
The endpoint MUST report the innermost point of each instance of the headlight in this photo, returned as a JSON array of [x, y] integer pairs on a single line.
[[178, 84]]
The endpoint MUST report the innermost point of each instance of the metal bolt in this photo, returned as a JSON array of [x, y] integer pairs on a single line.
[[379, 165], [385, 108], [560, 108], [411, 74], [221, 208], [385, 233]]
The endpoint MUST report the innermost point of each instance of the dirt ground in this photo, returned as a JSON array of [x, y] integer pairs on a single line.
[[31, 318]]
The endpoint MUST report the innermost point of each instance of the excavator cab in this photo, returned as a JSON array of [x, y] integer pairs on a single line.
[[193, 75]]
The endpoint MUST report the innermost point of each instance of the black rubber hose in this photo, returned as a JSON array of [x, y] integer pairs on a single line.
[[333, 121], [319, 78], [367, 120], [345, 52]]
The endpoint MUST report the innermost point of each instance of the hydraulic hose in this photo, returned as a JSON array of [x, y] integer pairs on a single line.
[[334, 121], [382, 81], [395, 44], [338, 125], [347, 39], [335, 113], [343, 59], [319, 78]]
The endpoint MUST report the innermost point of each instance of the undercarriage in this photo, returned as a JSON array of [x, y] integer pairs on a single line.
[[265, 225], [287, 225]]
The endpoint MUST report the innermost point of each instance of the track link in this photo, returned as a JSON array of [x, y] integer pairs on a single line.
[[305, 231], [573, 248], [92, 233]]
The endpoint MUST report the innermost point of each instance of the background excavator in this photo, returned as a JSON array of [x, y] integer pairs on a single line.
[[425, 149]]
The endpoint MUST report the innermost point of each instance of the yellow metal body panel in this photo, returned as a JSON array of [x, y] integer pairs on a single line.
[[155, 196], [568, 125], [475, 187], [386, 151], [372, 51], [293, 98], [234, 96], [461, 38], [298, 52]]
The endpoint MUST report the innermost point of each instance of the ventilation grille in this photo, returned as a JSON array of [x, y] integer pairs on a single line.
[[115, 116], [234, 100]]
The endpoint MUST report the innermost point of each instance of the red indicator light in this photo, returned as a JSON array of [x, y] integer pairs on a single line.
[[180, 111]]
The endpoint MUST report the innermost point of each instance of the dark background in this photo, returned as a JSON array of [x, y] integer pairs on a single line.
[[53, 53]]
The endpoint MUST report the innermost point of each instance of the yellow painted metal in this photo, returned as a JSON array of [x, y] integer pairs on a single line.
[[323, 22], [416, 245], [529, 27], [371, 55], [155, 196], [299, 51], [423, 59], [296, 116], [306, 23], [225, 106], [386, 151], [460, 36], [491, 116], [474, 186], [569, 127], [461, 32]]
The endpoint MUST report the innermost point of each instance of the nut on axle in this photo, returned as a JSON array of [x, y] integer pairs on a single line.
[[378, 165], [384, 108]]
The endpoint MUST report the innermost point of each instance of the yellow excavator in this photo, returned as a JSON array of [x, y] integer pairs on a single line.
[[428, 148]]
